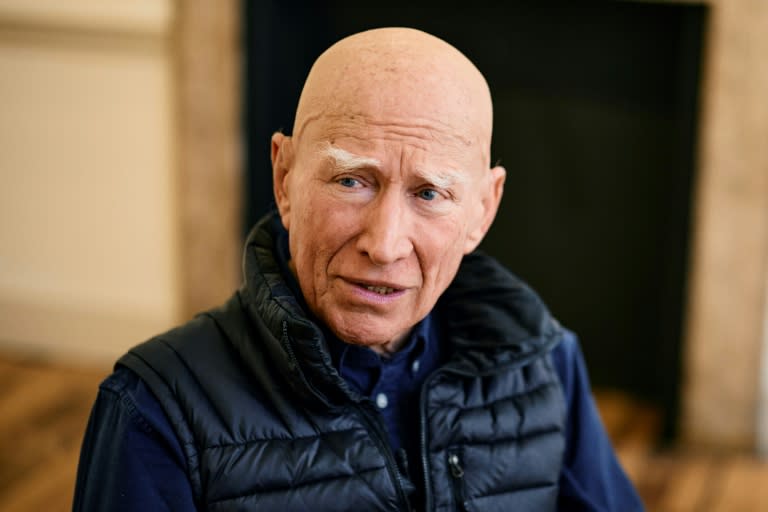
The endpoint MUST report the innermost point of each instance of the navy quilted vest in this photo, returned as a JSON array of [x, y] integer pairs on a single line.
[[267, 423]]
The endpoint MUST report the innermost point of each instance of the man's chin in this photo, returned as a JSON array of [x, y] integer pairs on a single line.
[[382, 341]]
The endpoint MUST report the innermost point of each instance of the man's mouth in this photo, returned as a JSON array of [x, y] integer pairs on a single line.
[[381, 290]]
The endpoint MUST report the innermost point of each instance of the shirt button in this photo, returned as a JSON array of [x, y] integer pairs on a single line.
[[381, 401], [415, 366]]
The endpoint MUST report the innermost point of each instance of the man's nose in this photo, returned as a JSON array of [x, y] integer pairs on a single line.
[[385, 237]]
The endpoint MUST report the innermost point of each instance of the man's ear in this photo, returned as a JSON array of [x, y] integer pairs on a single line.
[[492, 191], [282, 161]]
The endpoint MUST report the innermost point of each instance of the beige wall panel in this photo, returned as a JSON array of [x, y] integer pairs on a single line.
[[726, 316], [210, 184], [87, 218]]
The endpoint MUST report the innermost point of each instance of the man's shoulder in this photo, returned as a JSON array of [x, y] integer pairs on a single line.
[[183, 366], [200, 329], [182, 356], [196, 335], [568, 348], [119, 382]]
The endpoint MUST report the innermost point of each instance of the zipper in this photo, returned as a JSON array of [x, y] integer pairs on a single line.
[[423, 419], [457, 479], [423, 435], [379, 437], [286, 342]]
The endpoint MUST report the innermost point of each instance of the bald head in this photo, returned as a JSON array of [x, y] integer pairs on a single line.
[[399, 75]]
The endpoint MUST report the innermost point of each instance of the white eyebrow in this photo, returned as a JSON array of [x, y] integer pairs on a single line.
[[442, 179], [347, 161]]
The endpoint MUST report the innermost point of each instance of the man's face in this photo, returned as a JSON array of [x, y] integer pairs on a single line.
[[386, 182], [379, 216]]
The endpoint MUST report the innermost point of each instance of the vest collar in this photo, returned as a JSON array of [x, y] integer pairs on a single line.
[[493, 318]]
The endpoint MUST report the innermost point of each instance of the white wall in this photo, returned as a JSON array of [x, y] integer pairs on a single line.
[[87, 217]]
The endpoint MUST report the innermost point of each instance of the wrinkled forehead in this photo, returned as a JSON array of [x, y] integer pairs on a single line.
[[425, 139]]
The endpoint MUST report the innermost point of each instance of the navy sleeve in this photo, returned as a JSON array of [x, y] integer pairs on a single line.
[[591, 479], [131, 459]]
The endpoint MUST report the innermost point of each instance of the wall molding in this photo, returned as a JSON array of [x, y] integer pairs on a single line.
[[146, 18]]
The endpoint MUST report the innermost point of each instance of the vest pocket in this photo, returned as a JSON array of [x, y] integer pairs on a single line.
[[456, 470]]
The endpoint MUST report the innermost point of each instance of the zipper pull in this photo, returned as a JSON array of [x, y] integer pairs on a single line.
[[455, 464]]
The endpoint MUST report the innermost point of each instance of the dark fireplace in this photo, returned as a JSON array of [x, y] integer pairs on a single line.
[[595, 122]]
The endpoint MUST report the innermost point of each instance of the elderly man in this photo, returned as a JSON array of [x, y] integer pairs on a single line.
[[371, 360]]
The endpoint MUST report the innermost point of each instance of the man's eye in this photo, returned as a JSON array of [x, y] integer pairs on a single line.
[[348, 182], [427, 194]]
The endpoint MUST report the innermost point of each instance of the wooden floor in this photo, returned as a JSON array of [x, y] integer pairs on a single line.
[[680, 480], [44, 409]]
